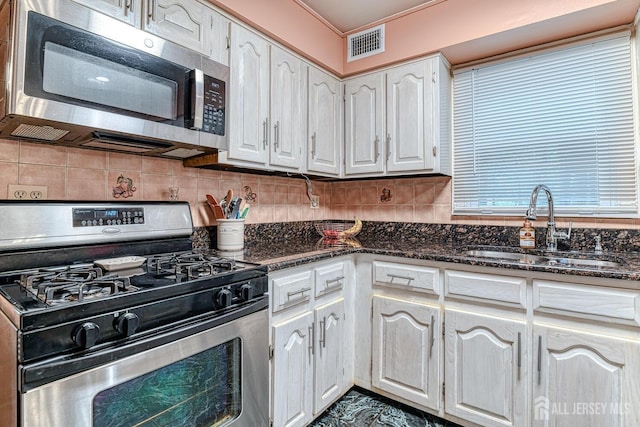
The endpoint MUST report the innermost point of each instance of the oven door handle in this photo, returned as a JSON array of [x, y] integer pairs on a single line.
[[39, 373]]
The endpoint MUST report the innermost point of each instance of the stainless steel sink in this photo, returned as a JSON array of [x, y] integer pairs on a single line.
[[543, 260]]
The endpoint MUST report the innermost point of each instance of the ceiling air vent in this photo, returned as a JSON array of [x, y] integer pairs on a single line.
[[365, 43]]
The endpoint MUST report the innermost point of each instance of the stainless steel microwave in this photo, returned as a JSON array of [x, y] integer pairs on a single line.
[[78, 77]]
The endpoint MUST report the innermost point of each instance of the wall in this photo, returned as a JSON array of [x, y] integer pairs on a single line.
[[80, 174], [463, 30]]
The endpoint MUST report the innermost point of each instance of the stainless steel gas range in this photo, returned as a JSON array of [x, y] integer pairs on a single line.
[[109, 318]]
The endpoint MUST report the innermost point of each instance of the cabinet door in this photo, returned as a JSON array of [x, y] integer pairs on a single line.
[[486, 369], [218, 40], [325, 123], [406, 349], [292, 371], [183, 22], [329, 367], [249, 103], [129, 11], [364, 124], [585, 379], [409, 118], [288, 109]]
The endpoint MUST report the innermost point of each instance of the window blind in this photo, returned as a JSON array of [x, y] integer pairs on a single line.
[[564, 118]]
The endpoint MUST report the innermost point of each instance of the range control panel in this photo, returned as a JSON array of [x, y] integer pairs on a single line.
[[96, 217]]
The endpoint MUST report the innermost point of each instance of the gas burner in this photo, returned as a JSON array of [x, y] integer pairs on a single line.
[[188, 266], [56, 286]]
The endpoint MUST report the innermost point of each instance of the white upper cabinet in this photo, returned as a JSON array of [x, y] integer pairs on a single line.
[[409, 118], [129, 11], [364, 124], [288, 109], [183, 22], [249, 84], [268, 106], [325, 123], [188, 23], [397, 121]]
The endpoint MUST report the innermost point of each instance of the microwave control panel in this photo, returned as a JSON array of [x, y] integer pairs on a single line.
[[96, 217], [214, 106]]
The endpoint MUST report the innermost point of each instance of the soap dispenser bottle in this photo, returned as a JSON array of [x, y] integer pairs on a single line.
[[527, 236]]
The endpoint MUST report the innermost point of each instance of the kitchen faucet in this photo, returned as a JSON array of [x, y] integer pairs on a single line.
[[552, 234]]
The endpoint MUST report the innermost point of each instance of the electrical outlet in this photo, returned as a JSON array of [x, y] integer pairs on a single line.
[[315, 202], [27, 192]]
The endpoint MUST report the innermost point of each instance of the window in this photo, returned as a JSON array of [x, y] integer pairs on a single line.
[[562, 117]]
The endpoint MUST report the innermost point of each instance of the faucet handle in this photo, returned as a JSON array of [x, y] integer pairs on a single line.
[[562, 235]]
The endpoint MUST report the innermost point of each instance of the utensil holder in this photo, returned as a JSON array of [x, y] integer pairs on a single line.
[[230, 234]]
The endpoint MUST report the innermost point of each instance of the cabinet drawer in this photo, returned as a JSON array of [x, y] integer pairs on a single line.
[[329, 278], [414, 277], [291, 290], [617, 305], [488, 287]]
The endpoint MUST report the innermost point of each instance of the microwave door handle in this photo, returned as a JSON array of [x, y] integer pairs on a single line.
[[198, 99]]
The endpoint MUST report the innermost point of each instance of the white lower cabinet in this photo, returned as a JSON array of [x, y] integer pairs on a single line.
[[293, 371], [486, 369], [475, 346], [406, 350], [584, 379], [310, 346], [307, 363], [328, 355]]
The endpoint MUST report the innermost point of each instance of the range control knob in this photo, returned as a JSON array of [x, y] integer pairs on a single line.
[[86, 335], [127, 324], [246, 292], [223, 298]]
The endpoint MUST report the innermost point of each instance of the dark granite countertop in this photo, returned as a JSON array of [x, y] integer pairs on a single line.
[[289, 253], [284, 245]]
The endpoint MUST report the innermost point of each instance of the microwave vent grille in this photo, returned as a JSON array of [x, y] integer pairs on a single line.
[[46, 133]]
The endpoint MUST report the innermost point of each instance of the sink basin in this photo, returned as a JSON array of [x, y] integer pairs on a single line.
[[544, 260], [507, 256]]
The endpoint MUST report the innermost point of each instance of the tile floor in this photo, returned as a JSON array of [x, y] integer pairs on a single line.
[[361, 408]]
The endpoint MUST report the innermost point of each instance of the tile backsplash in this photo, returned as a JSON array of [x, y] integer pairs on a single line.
[[81, 174]]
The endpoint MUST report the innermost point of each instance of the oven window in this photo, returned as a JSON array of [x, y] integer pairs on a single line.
[[201, 390]]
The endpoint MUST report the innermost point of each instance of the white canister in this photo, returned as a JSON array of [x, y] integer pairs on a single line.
[[230, 234]]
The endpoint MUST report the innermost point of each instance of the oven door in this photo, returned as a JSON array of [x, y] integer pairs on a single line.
[[215, 377]]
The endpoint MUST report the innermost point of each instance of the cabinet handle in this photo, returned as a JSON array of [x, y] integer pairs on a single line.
[[302, 297], [337, 281], [539, 358], [377, 147], [432, 338], [323, 333], [128, 7], [276, 136], [265, 133], [312, 339], [388, 146], [519, 350], [396, 276], [313, 146], [151, 11]]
